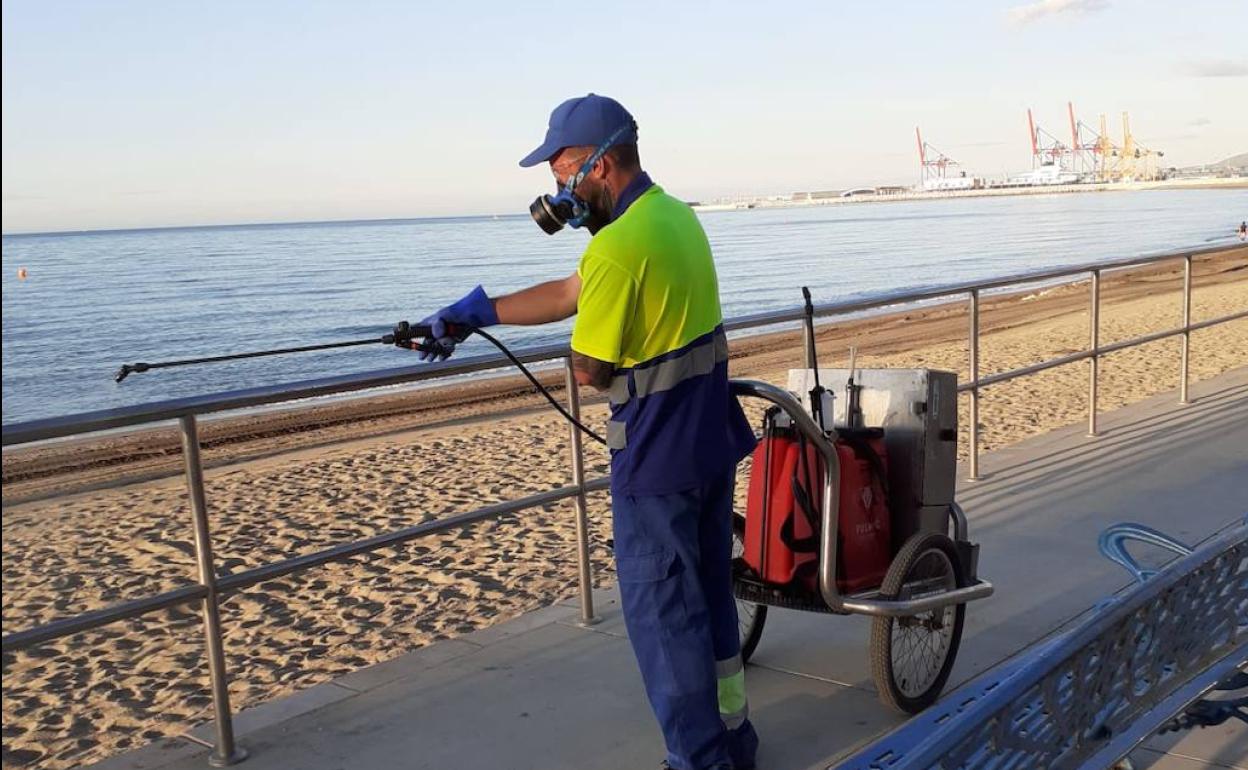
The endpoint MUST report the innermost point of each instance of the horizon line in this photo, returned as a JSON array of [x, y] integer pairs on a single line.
[[279, 223]]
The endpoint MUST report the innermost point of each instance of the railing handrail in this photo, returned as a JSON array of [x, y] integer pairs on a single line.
[[157, 411]]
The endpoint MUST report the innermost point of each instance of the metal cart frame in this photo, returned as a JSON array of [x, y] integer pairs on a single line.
[[874, 602]]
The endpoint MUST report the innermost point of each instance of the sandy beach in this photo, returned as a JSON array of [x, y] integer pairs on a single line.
[[94, 522]]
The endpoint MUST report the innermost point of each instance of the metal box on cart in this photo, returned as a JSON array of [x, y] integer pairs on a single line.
[[918, 410]]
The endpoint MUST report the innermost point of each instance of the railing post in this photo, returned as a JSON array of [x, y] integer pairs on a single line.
[[1187, 327], [1094, 343], [584, 565], [225, 752], [974, 366]]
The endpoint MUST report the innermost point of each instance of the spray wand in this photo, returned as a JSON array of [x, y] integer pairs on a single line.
[[853, 406], [404, 336], [816, 393]]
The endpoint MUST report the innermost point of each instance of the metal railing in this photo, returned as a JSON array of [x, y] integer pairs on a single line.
[[211, 589]]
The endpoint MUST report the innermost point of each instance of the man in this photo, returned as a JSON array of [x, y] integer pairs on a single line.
[[648, 331]]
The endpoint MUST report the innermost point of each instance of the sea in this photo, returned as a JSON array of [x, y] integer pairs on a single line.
[[91, 301]]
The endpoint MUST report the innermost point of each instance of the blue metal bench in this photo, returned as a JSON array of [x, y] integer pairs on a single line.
[[1088, 697]]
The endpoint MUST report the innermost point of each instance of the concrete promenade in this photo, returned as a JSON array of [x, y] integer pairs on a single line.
[[543, 692]]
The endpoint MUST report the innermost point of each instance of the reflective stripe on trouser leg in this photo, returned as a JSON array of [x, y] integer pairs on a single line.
[[716, 572], [733, 707], [659, 564], [718, 584]]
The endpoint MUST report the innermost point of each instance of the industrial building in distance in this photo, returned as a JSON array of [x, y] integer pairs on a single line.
[[1090, 156], [1088, 159]]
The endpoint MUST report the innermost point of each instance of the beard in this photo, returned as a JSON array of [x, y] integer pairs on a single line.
[[601, 204]]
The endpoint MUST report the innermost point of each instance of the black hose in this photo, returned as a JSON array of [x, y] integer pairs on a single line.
[[541, 389]]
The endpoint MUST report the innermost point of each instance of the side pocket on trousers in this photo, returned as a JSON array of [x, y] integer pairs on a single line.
[[645, 568]]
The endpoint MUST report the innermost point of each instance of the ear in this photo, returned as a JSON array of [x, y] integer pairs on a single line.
[[603, 168]]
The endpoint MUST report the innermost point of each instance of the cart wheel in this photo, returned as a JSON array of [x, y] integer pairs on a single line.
[[911, 656], [750, 616]]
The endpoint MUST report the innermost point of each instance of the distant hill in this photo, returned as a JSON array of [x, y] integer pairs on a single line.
[[1235, 161]]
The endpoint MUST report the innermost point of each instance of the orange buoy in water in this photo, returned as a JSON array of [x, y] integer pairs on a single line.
[[21, 273]]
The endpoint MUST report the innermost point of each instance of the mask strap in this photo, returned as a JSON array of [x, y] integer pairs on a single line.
[[592, 161]]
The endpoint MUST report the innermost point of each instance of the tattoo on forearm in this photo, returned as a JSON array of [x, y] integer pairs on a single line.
[[600, 372]]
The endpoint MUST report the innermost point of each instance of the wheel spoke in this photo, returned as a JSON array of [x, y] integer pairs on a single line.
[[921, 643]]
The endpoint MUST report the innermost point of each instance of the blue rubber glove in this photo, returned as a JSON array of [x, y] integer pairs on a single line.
[[473, 311]]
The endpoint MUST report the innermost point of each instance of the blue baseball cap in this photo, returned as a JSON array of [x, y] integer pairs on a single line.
[[586, 121]]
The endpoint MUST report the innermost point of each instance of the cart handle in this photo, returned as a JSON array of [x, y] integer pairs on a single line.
[[825, 443]]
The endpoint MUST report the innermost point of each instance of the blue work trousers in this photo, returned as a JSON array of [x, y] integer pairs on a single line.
[[673, 558]]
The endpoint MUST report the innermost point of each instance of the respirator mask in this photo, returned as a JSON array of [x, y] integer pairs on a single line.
[[552, 212]]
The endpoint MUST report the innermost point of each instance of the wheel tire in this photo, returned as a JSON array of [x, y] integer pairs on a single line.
[[751, 617], [936, 556]]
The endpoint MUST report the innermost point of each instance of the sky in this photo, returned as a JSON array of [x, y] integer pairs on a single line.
[[148, 114]]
